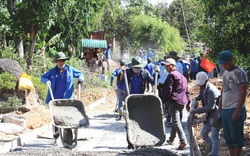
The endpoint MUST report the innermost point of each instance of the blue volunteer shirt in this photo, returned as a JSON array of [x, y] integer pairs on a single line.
[[195, 65], [136, 84], [116, 73], [150, 67], [60, 85]]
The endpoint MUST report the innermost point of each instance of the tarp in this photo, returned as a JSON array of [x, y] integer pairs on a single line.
[[207, 65], [89, 43]]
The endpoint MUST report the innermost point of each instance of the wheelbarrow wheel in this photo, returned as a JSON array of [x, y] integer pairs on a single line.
[[68, 136]]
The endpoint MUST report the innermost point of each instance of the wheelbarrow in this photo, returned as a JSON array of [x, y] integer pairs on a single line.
[[144, 119], [67, 116]]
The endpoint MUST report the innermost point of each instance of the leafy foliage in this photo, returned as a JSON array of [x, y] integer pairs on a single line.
[[7, 82], [227, 25], [12, 104], [40, 87], [152, 32]]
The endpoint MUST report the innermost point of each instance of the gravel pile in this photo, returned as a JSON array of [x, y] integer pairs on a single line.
[[67, 152]]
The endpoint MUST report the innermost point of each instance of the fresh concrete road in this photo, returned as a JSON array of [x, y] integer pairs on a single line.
[[103, 134]]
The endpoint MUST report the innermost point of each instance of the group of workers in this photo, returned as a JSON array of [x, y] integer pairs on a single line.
[[172, 87]]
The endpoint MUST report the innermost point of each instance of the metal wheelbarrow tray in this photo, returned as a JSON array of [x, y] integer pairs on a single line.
[[144, 117], [68, 114]]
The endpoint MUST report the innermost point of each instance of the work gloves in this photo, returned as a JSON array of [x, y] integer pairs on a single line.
[[48, 84], [80, 81]]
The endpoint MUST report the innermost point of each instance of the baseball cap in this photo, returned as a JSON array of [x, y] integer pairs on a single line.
[[224, 57], [169, 61], [201, 78]]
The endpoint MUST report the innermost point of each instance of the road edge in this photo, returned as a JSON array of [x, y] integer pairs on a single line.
[[27, 135]]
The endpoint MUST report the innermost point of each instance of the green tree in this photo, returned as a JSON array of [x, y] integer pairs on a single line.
[[152, 32], [187, 16], [40, 21], [116, 19], [227, 25]]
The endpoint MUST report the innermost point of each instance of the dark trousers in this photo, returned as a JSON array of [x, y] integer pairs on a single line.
[[193, 75]]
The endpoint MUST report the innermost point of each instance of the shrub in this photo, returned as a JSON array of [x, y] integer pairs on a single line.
[[40, 87], [13, 104], [7, 82]]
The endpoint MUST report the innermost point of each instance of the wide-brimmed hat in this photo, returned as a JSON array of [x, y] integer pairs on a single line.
[[136, 62], [224, 57], [123, 62], [173, 54], [61, 56]]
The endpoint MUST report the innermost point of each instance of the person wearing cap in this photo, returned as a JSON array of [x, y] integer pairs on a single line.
[[120, 92], [232, 103], [175, 92], [61, 80], [150, 67], [178, 66], [137, 77], [209, 96]]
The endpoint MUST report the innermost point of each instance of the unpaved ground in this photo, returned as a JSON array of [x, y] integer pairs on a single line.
[[223, 147]]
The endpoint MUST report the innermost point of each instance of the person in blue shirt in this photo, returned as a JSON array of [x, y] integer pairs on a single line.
[[120, 92], [107, 53], [150, 53], [150, 67], [61, 80], [137, 77], [194, 68], [163, 76], [186, 67]]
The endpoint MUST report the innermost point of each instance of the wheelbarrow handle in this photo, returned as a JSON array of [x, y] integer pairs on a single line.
[[78, 95], [79, 91], [51, 93], [156, 80], [126, 82]]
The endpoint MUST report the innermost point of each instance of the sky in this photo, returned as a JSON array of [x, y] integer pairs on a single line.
[[157, 1]]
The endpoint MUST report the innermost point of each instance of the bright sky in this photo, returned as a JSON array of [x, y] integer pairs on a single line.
[[157, 1]]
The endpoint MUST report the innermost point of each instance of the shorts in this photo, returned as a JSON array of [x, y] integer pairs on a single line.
[[233, 130]]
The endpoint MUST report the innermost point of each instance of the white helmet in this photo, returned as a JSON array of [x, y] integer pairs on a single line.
[[201, 78]]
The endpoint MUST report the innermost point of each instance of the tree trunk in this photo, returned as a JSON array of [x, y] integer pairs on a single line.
[[31, 47], [19, 46], [43, 57], [10, 6], [122, 50]]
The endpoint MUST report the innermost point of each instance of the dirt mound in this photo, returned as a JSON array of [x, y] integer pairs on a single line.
[[194, 90]]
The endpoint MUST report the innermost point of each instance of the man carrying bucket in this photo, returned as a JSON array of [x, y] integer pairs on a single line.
[[61, 80]]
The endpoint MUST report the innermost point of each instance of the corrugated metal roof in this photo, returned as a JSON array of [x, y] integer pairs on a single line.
[[89, 43]]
